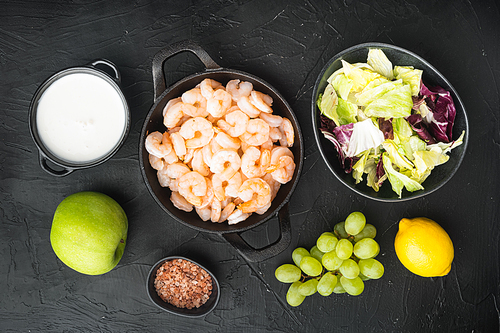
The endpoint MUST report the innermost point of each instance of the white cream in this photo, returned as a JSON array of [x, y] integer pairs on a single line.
[[80, 117]]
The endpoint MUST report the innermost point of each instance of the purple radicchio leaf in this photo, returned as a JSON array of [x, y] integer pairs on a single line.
[[417, 123], [380, 171], [440, 122], [339, 136], [385, 125]]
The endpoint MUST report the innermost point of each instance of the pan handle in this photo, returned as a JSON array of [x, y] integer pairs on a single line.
[[254, 255], [159, 81]]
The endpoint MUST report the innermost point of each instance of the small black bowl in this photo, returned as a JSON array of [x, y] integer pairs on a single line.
[[431, 77], [194, 312]]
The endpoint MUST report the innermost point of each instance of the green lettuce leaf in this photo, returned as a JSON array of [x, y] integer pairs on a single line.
[[410, 76], [395, 103], [376, 89], [346, 112], [397, 155], [328, 103], [342, 85], [426, 160], [397, 179], [380, 63], [360, 77]]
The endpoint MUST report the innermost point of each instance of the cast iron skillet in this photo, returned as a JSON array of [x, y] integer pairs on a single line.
[[154, 122]]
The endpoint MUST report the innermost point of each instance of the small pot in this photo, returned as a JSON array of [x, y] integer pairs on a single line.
[[154, 122], [58, 164]]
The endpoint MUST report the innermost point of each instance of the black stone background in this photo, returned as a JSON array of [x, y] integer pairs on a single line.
[[286, 43]]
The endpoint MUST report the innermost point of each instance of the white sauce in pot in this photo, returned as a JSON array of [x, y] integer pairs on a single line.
[[80, 117]]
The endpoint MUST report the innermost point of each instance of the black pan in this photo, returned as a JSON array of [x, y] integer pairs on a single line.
[[154, 122]]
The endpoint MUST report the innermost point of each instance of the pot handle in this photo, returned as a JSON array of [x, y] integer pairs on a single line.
[[116, 73], [159, 81], [42, 159], [254, 255]]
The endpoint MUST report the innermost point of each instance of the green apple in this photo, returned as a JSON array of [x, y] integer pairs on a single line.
[[89, 232]]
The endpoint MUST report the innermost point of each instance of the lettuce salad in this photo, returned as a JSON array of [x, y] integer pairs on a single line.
[[385, 123]]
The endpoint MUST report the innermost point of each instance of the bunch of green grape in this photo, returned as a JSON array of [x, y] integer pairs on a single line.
[[339, 263]]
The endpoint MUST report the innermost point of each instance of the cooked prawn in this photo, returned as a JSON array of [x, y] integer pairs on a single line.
[[234, 123], [156, 163], [283, 170], [170, 103], [209, 196], [271, 119], [254, 162], [176, 170], [219, 186], [273, 183], [171, 157], [263, 209], [193, 187], [163, 178], [233, 185], [209, 151], [255, 193], [237, 216], [178, 143], [207, 87], [286, 128], [219, 103], [204, 213], [197, 132], [196, 99], [247, 107], [237, 89], [275, 134], [198, 164], [257, 132], [158, 144], [215, 208], [225, 162], [228, 210], [174, 114], [261, 101], [227, 141], [180, 202]]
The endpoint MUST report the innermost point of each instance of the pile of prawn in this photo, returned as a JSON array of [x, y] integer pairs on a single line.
[[224, 153]]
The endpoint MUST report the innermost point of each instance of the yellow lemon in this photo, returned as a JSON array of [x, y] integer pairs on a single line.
[[424, 247]]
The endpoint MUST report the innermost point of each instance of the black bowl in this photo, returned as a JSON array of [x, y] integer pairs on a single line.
[[431, 77], [194, 312]]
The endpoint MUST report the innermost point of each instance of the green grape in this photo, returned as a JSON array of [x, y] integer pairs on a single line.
[[354, 223], [339, 229], [369, 231], [353, 287], [363, 277], [349, 269], [344, 249], [293, 297], [371, 268], [326, 284], [331, 261], [288, 273], [338, 288], [311, 266], [297, 255], [366, 248], [316, 253], [326, 242], [308, 288]]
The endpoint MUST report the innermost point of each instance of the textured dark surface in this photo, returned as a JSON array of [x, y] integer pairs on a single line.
[[286, 43]]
